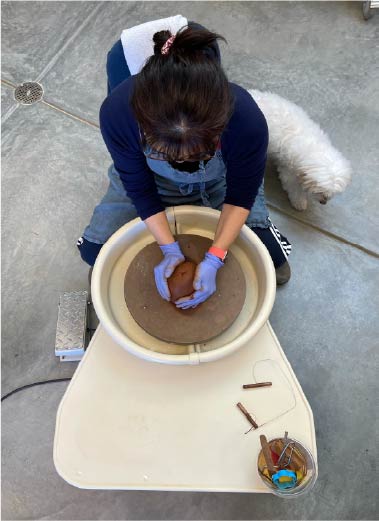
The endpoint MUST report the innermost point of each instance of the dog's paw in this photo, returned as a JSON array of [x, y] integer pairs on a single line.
[[300, 203]]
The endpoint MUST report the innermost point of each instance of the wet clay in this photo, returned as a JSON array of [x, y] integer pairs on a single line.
[[180, 282], [162, 319]]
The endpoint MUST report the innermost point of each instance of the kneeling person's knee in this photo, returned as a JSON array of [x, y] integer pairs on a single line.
[[88, 250]]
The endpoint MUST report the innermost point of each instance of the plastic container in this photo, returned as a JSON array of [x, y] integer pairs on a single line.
[[305, 485]]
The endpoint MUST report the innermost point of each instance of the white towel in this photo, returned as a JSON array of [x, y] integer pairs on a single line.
[[137, 41]]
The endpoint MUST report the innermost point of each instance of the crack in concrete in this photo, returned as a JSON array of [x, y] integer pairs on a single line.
[[56, 57], [7, 82], [70, 114]]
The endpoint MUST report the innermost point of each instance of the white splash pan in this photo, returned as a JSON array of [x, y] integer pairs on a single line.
[[108, 289]]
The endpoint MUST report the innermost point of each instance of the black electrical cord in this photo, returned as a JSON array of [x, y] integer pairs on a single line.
[[32, 385], [89, 329]]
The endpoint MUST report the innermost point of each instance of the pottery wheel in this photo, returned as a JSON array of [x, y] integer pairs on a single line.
[[163, 319]]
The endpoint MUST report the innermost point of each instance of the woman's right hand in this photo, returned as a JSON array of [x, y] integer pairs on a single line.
[[173, 256]]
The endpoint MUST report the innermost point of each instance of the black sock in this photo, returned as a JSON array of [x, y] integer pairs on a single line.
[[278, 246]]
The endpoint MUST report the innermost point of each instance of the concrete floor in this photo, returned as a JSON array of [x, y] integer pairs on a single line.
[[322, 56]]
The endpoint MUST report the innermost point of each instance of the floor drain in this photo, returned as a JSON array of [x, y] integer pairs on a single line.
[[28, 93]]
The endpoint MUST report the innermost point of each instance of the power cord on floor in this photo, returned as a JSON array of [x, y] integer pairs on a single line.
[[32, 385], [89, 330]]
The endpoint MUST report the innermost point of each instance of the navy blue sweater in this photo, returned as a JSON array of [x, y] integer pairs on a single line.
[[244, 145]]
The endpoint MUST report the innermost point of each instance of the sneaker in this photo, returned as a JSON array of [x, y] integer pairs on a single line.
[[279, 249], [283, 242], [283, 274]]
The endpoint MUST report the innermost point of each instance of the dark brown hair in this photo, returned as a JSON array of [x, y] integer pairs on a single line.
[[182, 100]]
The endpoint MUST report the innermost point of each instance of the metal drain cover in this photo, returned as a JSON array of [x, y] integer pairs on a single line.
[[28, 93]]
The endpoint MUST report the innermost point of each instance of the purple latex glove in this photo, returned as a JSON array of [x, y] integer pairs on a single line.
[[204, 282], [173, 256]]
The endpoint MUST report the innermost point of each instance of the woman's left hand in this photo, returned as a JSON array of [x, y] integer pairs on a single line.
[[204, 282]]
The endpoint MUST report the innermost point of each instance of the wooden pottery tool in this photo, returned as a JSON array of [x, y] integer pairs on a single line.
[[248, 416], [267, 453], [255, 386]]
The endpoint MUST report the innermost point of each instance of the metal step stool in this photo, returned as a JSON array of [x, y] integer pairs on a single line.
[[368, 8], [76, 324]]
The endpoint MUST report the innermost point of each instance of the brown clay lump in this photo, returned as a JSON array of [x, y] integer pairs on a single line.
[[180, 282]]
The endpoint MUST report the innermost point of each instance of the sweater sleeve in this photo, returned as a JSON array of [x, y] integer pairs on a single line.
[[128, 158], [246, 152]]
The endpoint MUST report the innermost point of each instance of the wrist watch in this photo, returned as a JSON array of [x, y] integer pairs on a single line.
[[218, 252]]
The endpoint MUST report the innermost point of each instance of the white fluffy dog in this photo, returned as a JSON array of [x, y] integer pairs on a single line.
[[307, 162]]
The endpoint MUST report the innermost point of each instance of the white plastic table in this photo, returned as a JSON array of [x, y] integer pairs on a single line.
[[127, 423]]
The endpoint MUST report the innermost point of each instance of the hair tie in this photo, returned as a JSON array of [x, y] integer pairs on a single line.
[[167, 45]]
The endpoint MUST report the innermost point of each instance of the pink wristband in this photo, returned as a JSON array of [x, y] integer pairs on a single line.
[[218, 252]]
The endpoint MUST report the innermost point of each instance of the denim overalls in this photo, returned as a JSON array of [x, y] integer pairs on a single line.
[[205, 187]]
